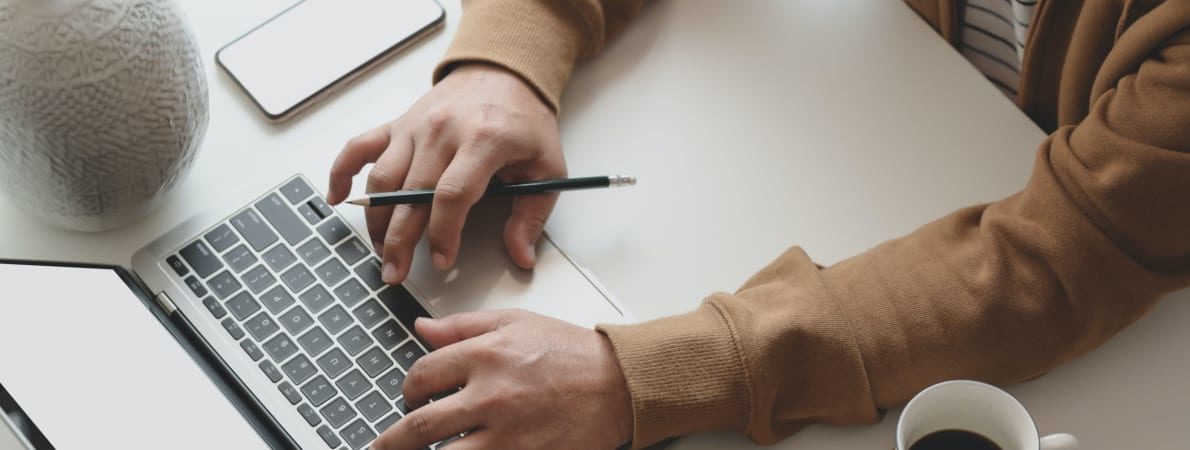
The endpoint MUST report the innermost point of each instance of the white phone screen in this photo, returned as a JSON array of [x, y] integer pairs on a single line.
[[316, 43]]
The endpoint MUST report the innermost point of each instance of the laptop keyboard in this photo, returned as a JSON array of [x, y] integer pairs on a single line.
[[303, 296]]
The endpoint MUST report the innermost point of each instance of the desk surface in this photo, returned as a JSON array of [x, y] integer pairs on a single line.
[[830, 124]]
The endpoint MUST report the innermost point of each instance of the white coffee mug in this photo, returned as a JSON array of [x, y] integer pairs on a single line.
[[976, 407]]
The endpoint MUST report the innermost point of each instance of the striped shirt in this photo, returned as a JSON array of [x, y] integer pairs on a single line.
[[993, 39]]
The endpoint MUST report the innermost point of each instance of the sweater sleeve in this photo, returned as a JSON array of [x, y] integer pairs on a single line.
[[540, 40], [1001, 292]]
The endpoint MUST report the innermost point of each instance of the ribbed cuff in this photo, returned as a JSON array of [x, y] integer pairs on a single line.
[[538, 40], [684, 374]]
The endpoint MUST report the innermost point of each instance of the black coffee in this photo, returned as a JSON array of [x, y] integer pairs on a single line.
[[954, 439]]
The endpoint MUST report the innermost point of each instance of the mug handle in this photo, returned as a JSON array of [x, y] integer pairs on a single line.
[[1059, 441]]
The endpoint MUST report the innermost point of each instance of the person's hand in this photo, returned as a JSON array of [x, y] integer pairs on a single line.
[[480, 121], [529, 381]]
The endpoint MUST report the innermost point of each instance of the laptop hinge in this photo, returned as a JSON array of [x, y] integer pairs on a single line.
[[165, 303]]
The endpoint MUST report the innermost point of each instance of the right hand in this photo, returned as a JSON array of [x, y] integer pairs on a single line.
[[479, 122]]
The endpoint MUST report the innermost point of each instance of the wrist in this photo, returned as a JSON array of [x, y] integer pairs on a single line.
[[494, 74], [620, 398]]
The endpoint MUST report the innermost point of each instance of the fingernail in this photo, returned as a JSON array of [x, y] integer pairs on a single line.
[[390, 273], [440, 261]]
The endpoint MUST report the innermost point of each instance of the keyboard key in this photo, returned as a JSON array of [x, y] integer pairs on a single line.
[[254, 230], [308, 413], [338, 412], [298, 278], [387, 422], [321, 207], [295, 320], [277, 299], [224, 284], [351, 292], [374, 362], [307, 212], [296, 190], [408, 354], [214, 307], [315, 341], [317, 299], [369, 271], [354, 384], [279, 257], [355, 340], [335, 319], [318, 390], [270, 370], [391, 383], [242, 305], [358, 434], [261, 326], [390, 334], [175, 263], [299, 369], [290, 393], [352, 251], [251, 349], [221, 238], [334, 230], [446, 442], [332, 272], [201, 259], [373, 406], [328, 435], [258, 279], [402, 304], [196, 286], [370, 313], [280, 348], [334, 363], [233, 329], [313, 252], [239, 258], [283, 219], [402, 406]]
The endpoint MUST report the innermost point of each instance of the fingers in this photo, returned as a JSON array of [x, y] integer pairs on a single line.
[[429, 424], [461, 186], [526, 222], [440, 371], [408, 222], [473, 440], [358, 152], [388, 174], [440, 333]]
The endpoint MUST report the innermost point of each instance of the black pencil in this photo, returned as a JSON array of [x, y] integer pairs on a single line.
[[531, 187]]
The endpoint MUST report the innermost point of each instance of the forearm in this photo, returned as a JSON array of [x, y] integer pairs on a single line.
[[1000, 292], [540, 40]]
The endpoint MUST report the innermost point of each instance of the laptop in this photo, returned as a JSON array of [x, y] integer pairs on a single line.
[[266, 328]]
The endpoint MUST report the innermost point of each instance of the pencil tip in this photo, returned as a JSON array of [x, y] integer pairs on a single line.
[[358, 201]]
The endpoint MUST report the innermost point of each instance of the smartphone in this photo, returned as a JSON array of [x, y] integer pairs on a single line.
[[316, 47]]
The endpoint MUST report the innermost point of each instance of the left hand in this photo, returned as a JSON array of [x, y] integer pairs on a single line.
[[529, 381]]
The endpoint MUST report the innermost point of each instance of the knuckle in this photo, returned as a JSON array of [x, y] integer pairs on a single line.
[[379, 178], [419, 426], [489, 130], [437, 123], [450, 191]]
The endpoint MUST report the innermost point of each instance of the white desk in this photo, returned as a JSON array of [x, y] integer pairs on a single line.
[[753, 125]]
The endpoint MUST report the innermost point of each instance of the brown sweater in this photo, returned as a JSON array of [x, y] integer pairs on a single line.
[[1000, 292]]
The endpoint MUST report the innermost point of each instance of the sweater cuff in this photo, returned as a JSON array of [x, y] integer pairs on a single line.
[[538, 40], [684, 374]]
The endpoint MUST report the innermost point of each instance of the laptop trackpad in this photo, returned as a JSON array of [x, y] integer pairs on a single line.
[[93, 368]]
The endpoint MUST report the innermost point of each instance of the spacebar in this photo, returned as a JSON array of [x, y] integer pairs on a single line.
[[277, 212]]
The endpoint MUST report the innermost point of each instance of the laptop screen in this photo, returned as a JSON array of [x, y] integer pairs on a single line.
[[92, 367]]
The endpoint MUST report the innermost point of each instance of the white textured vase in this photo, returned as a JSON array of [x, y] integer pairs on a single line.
[[103, 104]]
